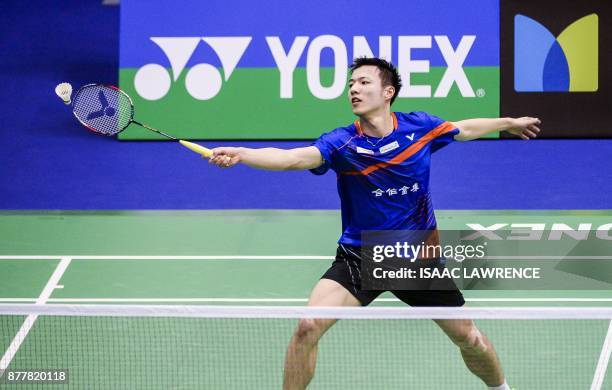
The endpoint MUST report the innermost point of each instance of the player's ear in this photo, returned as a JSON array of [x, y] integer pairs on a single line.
[[388, 92]]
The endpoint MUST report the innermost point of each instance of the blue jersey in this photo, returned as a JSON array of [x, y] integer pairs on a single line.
[[383, 183]]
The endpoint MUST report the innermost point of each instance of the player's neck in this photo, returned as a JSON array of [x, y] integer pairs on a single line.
[[377, 124]]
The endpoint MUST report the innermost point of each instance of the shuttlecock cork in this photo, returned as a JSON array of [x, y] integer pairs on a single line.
[[64, 91]]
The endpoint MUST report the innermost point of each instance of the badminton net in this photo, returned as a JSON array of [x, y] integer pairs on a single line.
[[234, 347]]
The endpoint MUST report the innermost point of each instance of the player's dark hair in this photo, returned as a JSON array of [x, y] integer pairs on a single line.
[[388, 72]]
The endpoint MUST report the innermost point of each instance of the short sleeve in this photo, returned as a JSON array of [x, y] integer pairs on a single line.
[[443, 139], [329, 144], [326, 152]]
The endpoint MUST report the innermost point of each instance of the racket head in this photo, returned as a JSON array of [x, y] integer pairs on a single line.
[[103, 109]]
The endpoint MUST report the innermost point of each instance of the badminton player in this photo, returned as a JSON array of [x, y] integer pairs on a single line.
[[381, 150]]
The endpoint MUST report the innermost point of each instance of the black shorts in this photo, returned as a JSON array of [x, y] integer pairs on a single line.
[[346, 270]]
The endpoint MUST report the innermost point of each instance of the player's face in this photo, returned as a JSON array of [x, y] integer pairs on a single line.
[[366, 93]]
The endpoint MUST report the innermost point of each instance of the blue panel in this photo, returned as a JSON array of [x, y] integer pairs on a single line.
[[48, 161], [69, 168], [142, 19], [556, 70], [532, 42]]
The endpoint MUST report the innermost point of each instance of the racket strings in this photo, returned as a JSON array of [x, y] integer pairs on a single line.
[[103, 109]]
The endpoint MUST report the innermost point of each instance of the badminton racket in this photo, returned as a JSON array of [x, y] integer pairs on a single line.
[[107, 110]]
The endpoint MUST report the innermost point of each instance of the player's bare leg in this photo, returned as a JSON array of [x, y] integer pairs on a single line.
[[476, 349], [301, 358]]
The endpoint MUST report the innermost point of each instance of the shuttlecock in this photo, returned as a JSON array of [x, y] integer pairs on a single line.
[[64, 91]]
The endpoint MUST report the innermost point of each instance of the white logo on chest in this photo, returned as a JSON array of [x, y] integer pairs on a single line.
[[364, 151], [410, 137], [389, 147]]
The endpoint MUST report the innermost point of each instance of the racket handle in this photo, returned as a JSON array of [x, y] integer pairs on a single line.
[[205, 152]]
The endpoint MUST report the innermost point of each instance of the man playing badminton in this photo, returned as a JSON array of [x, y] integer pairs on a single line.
[[379, 151]]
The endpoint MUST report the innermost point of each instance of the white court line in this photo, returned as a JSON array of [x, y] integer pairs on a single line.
[[275, 300], [30, 319], [539, 299], [271, 257], [220, 257], [604, 358], [32, 300], [546, 258]]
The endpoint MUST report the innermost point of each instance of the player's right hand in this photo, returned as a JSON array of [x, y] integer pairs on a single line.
[[225, 157]]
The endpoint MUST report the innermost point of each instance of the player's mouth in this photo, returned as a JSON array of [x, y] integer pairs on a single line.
[[355, 101]]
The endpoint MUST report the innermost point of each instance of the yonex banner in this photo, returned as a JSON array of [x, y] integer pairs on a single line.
[[232, 70]]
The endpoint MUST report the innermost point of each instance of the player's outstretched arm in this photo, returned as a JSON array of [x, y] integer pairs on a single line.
[[525, 127], [268, 158]]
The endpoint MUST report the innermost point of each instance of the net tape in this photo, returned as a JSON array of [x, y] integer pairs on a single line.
[[218, 311]]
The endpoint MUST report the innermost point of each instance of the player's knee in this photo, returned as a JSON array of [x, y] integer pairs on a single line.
[[470, 339], [308, 330]]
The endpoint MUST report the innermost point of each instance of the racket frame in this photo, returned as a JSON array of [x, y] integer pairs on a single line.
[[88, 127]]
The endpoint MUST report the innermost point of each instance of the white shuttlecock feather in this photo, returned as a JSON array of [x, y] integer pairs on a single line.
[[64, 91]]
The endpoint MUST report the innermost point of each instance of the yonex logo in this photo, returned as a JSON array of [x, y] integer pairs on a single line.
[[568, 63], [286, 59], [203, 81], [535, 231]]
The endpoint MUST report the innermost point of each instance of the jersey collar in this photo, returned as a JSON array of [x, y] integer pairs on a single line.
[[360, 131]]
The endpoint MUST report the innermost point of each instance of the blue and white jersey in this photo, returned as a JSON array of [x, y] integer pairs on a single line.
[[383, 183]]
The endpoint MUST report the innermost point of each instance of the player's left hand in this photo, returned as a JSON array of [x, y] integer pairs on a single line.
[[525, 127]]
